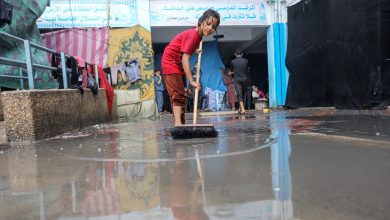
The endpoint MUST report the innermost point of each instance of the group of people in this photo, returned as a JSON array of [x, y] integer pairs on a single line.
[[180, 79], [240, 91]]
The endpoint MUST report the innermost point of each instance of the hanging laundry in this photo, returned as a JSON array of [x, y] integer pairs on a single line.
[[114, 73], [216, 99], [74, 74], [212, 100], [219, 100], [81, 64], [133, 69], [105, 84]]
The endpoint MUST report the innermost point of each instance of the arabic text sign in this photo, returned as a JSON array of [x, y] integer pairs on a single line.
[[61, 14], [165, 13]]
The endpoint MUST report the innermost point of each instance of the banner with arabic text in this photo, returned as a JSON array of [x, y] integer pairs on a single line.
[[187, 13], [89, 13]]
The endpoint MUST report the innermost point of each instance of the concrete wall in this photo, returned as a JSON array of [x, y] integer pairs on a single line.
[[38, 114]]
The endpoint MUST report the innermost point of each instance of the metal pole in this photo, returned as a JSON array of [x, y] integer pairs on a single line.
[[108, 12], [30, 70], [21, 79], [109, 78], [64, 73], [97, 75]]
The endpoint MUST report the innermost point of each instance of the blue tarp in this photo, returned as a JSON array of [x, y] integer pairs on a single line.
[[211, 65]]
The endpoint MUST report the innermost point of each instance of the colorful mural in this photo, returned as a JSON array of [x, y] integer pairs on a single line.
[[129, 43], [25, 13]]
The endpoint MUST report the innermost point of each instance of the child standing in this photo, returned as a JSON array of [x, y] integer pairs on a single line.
[[176, 61], [159, 89]]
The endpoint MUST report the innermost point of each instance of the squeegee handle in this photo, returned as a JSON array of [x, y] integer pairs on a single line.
[[195, 115]]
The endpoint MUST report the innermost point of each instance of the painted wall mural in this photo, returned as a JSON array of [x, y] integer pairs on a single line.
[[127, 44], [25, 13]]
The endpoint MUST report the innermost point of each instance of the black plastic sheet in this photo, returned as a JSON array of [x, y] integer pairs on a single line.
[[338, 54]]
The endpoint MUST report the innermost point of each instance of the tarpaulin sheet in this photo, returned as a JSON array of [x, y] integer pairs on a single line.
[[90, 44], [338, 54], [210, 66]]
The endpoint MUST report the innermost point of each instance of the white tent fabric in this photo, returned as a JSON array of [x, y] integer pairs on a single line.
[[292, 2]]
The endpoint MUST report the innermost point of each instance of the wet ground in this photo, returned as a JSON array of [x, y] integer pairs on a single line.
[[309, 164]]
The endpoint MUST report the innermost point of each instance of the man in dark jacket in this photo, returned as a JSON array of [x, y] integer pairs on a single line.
[[239, 66]]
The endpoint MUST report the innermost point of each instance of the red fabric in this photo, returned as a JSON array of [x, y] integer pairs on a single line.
[[261, 94], [175, 84], [103, 83], [232, 97], [185, 42], [99, 200]]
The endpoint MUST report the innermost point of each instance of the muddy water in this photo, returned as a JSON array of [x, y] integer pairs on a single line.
[[308, 164]]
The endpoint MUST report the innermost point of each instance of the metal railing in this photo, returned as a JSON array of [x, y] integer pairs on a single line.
[[30, 66], [28, 63]]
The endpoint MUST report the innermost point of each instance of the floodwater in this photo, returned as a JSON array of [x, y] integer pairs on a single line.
[[308, 164]]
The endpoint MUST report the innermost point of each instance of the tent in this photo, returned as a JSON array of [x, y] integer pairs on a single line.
[[339, 54]]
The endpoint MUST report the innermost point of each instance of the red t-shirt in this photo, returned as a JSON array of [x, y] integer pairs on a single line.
[[185, 42]]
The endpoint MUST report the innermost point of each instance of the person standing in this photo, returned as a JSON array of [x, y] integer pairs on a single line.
[[176, 61], [239, 66], [159, 89], [167, 108], [231, 94]]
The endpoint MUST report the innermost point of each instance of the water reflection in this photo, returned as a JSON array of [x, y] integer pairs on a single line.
[[224, 178], [22, 184], [23, 170], [281, 174], [185, 189]]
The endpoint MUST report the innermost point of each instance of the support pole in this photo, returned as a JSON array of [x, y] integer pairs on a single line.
[[96, 75], [64, 73], [30, 70]]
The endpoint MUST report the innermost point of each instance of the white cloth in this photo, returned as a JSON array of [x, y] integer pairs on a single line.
[[292, 2]]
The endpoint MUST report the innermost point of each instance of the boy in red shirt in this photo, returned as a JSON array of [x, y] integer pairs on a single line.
[[176, 61]]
